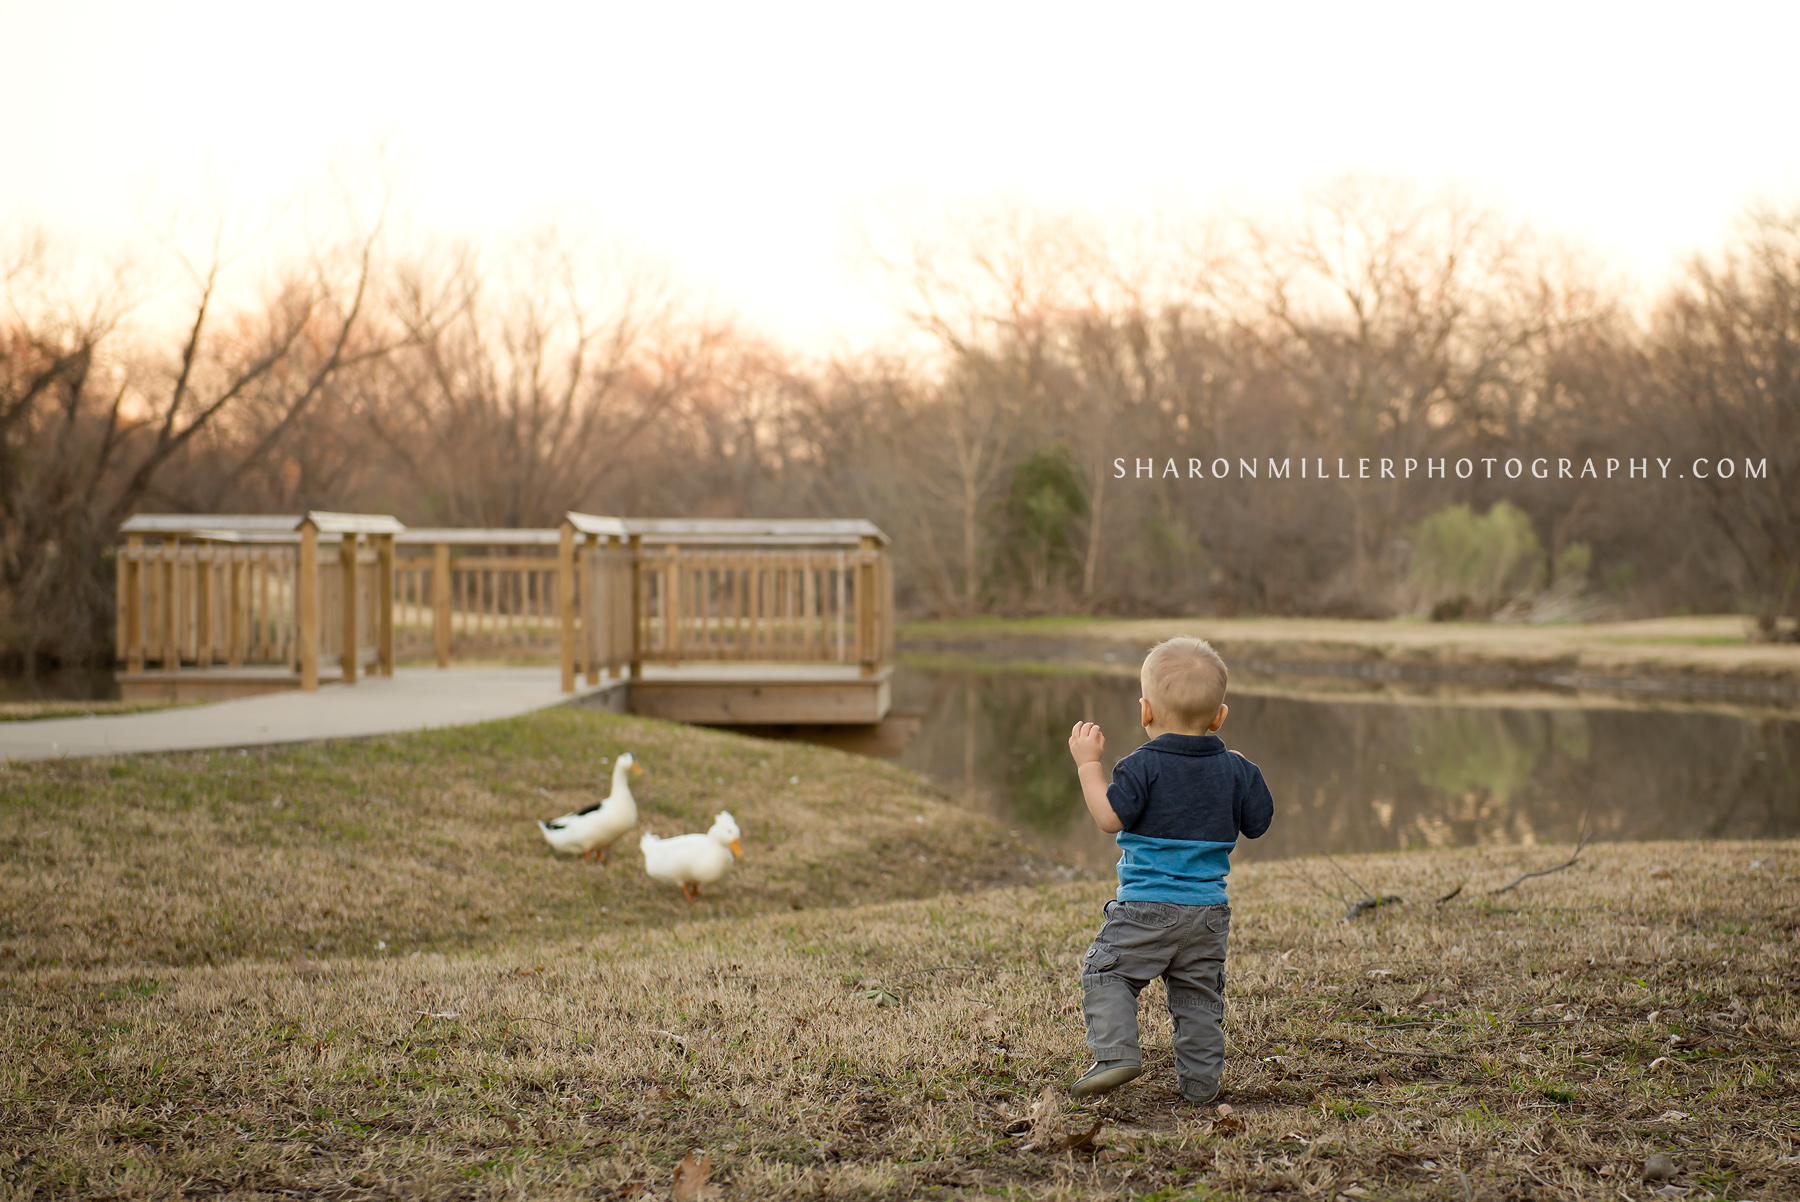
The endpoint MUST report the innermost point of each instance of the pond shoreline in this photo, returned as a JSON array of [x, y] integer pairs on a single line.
[[1689, 658]]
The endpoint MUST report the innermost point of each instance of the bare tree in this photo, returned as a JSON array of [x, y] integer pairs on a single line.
[[525, 391], [1728, 358], [89, 430]]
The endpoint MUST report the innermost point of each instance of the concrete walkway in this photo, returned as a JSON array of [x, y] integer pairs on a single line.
[[411, 699]]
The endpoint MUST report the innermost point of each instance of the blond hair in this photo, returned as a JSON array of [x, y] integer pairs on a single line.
[[1184, 681]]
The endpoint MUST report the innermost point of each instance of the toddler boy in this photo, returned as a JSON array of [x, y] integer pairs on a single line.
[[1178, 805]]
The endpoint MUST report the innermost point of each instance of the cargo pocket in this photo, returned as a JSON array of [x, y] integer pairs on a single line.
[[1219, 922], [1100, 959], [1155, 916]]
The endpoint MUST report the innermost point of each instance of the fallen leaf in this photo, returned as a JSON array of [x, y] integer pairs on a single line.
[[1674, 1191], [1672, 1116], [1661, 873], [1044, 1120], [690, 1180], [1224, 1109], [988, 1021], [512, 1124], [309, 969], [1082, 1139], [1658, 1167]]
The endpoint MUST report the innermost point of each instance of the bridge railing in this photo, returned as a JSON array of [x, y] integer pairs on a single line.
[[726, 590], [605, 595], [239, 591], [477, 594]]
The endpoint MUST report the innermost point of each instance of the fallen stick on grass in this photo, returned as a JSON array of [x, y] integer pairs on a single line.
[[1580, 842], [1373, 903]]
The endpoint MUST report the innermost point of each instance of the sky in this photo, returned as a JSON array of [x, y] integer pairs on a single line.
[[747, 146]]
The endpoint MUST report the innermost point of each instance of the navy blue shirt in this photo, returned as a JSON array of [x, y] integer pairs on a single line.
[[1183, 800]]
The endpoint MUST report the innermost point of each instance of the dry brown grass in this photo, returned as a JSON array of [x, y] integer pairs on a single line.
[[1698, 652], [428, 841], [881, 1050]]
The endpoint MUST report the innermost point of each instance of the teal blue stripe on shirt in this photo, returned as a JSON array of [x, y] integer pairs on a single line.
[[1188, 872]]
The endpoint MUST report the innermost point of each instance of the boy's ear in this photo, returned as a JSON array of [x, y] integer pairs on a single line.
[[1145, 713], [1219, 718]]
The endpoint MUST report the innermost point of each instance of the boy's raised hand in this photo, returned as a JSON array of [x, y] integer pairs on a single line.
[[1086, 743]]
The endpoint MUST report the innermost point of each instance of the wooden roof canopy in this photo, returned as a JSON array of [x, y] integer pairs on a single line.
[[248, 527], [259, 527], [811, 532]]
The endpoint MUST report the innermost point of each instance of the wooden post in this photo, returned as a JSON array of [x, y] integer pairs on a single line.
[[203, 631], [347, 562], [171, 648], [306, 584], [133, 571], [440, 603], [384, 603], [565, 601], [234, 599], [593, 626], [869, 650], [672, 605], [637, 605]]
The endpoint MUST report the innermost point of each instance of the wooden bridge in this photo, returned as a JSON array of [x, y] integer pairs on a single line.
[[739, 622]]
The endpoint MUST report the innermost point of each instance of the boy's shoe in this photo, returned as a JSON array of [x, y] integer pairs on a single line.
[[1106, 1076], [1197, 1094]]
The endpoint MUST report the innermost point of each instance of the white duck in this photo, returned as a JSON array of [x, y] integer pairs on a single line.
[[690, 860], [593, 830]]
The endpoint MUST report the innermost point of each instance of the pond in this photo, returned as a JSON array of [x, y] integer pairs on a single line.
[[1354, 772], [60, 684]]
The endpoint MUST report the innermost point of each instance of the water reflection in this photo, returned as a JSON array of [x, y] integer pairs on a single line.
[[62, 684], [1350, 775]]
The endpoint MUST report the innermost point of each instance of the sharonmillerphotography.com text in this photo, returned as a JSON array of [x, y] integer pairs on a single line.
[[1494, 468]]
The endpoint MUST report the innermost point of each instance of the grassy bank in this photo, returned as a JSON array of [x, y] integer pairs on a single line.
[[33, 711], [1541, 1042], [427, 842], [1704, 654]]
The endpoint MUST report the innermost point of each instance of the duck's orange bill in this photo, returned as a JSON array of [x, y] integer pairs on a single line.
[[637, 769], [735, 849]]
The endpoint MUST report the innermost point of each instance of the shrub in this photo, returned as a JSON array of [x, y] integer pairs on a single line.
[[1469, 565]]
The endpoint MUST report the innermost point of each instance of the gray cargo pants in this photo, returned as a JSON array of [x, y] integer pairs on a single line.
[[1185, 946]]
